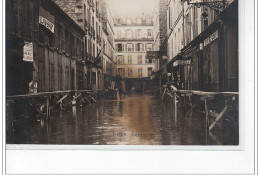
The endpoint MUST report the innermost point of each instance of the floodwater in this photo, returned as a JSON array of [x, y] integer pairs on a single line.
[[140, 119]]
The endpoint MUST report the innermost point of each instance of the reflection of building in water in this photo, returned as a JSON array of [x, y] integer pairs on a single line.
[[137, 118]]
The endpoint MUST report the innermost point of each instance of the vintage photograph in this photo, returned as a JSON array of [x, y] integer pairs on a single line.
[[122, 72]]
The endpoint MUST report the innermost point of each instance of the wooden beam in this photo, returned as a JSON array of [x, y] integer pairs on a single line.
[[218, 118]]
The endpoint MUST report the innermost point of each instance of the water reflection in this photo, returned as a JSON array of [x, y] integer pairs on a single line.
[[136, 120]]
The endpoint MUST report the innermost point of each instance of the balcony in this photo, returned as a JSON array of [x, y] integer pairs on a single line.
[[134, 39]]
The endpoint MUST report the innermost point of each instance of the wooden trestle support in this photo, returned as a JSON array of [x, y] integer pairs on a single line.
[[208, 102]]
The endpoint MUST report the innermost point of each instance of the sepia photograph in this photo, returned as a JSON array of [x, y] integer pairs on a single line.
[[122, 72]]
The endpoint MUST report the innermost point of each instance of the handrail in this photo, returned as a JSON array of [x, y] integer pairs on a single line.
[[198, 92], [45, 94]]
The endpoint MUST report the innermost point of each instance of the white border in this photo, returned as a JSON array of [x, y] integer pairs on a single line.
[[107, 161]]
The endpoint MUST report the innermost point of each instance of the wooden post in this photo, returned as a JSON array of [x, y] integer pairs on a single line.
[[207, 120], [185, 103], [48, 107], [175, 105]]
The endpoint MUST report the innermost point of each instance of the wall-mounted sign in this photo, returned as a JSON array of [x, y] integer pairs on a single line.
[[181, 63], [28, 51], [211, 38], [46, 19], [152, 54]]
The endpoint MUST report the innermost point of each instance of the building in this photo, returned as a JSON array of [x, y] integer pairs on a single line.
[[109, 66], [160, 42], [43, 48], [203, 45], [133, 38], [87, 14]]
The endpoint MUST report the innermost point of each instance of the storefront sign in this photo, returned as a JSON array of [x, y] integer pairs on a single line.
[[181, 63], [28, 51], [211, 38], [46, 19]]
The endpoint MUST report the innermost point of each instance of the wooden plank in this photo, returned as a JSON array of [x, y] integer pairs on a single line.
[[218, 118], [164, 93], [60, 101]]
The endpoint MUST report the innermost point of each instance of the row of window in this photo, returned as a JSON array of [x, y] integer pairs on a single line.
[[130, 47], [131, 34], [131, 21], [128, 72], [121, 59]]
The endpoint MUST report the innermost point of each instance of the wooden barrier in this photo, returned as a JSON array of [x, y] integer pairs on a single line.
[[206, 98], [49, 97]]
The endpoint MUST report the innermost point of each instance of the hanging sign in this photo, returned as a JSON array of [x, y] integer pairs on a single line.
[[181, 63], [28, 51], [46, 19], [152, 54], [211, 38]]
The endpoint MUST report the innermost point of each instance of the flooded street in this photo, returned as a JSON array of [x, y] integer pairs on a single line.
[[140, 119]]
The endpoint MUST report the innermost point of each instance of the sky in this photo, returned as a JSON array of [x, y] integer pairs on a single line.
[[132, 8]]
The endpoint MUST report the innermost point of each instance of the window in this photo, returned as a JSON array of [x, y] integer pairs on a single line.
[[66, 41], [62, 38], [120, 47], [130, 47], [149, 47], [129, 33], [149, 32], [120, 59], [121, 72], [149, 69], [139, 21], [130, 72], [139, 33], [60, 77], [139, 47], [140, 59], [118, 34], [129, 21], [140, 72], [67, 77], [148, 21], [129, 59]]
